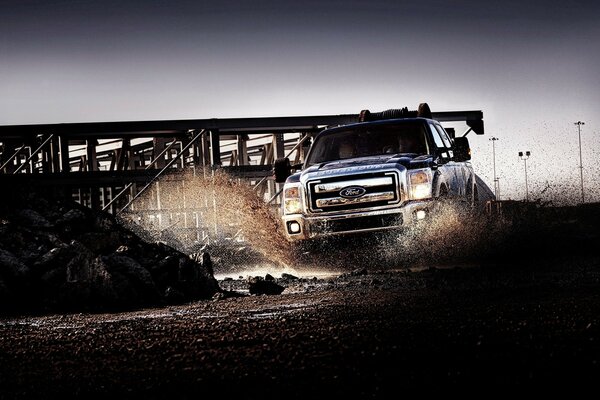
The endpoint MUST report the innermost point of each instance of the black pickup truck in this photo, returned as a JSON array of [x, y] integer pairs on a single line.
[[383, 172]]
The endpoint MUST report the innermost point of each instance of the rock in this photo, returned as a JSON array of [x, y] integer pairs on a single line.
[[89, 284], [187, 271], [107, 266], [173, 296], [219, 296], [356, 272], [123, 250], [11, 266], [196, 280], [103, 223], [207, 263], [73, 216], [5, 295], [73, 221], [359, 272], [100, 242], [81, 268], [32, 218], [54, 277], [269, 277], [289, 277], [257, 285], [51, 259], [132, 282], [165, 271], [228, 294], [203, 258]]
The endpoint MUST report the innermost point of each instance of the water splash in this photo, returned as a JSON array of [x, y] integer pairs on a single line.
[[218, 213], [245, 235]]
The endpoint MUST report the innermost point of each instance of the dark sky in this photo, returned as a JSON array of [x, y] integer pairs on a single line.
[[532, 67]]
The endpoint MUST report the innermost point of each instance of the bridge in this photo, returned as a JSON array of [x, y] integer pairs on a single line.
[[107, 165]]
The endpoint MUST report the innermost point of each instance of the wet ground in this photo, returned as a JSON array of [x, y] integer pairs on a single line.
[[363, 333], [509, 303]]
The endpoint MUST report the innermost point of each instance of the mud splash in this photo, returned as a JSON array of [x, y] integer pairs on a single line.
[[452, 234], [217, 213], [225, 216]]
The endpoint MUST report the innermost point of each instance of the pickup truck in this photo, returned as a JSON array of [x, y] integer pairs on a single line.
[[384, 172]]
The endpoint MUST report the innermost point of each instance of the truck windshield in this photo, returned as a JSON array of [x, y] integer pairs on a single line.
[[374, 140]]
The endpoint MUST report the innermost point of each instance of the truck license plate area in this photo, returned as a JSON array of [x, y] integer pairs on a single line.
[[357, 224]]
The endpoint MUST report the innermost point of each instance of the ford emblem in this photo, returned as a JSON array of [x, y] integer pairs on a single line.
[[352, 192]]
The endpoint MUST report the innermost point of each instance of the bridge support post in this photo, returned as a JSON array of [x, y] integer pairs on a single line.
[[215, 148], [65, 165], [242, 149], [55, 154]]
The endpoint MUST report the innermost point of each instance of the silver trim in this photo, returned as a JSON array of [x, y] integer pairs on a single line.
[[398, 178], [306, 222], [367, 198], [366, 183]]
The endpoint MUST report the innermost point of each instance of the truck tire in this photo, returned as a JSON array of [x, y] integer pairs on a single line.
[[441, 201]]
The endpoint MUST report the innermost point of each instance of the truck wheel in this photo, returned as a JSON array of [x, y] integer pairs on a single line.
[[441, 201], [443, 193]]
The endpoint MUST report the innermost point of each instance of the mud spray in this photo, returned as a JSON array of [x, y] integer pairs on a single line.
[[225, 216], [217, 213]]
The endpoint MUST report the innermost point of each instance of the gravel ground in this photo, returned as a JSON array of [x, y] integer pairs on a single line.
[[367, 334]]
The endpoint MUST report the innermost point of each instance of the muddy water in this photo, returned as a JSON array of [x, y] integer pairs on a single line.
[[450, 235], [246, 236], [239, 226]]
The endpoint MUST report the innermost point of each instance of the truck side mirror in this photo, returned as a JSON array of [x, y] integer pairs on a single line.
[[282, 169], [462, 150]]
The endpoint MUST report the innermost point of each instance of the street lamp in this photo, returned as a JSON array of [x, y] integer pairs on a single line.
[[494, 139], [579, 123], [524, 158]]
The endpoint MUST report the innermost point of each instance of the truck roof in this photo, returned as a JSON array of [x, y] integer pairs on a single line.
[[395, 121]]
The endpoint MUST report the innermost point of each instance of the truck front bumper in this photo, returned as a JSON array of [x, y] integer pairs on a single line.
[[303, 227]]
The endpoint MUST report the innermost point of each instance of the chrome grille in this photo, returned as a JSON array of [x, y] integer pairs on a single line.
[[378, 189]]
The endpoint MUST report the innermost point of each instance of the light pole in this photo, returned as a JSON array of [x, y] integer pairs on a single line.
[[524, 158], [579, 123], [494, 139]]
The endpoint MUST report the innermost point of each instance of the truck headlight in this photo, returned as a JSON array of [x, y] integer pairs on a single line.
[[292, 203], [420, 184]]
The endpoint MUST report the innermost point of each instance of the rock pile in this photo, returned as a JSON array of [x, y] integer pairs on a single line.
[[57, 255]]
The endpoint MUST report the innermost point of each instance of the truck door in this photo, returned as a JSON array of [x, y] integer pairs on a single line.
[[450, 170]]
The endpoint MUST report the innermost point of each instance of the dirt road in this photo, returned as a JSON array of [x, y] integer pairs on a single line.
[[366, 335]]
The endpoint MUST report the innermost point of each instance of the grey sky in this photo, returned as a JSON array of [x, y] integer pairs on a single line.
[[532, 67]]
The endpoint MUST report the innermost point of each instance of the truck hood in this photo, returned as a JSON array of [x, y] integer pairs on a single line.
[[356, 165]]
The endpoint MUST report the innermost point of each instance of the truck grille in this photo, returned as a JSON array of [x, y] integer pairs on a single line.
[[353, 192]]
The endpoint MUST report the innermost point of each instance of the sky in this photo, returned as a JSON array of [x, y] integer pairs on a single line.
[[532, 67]]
